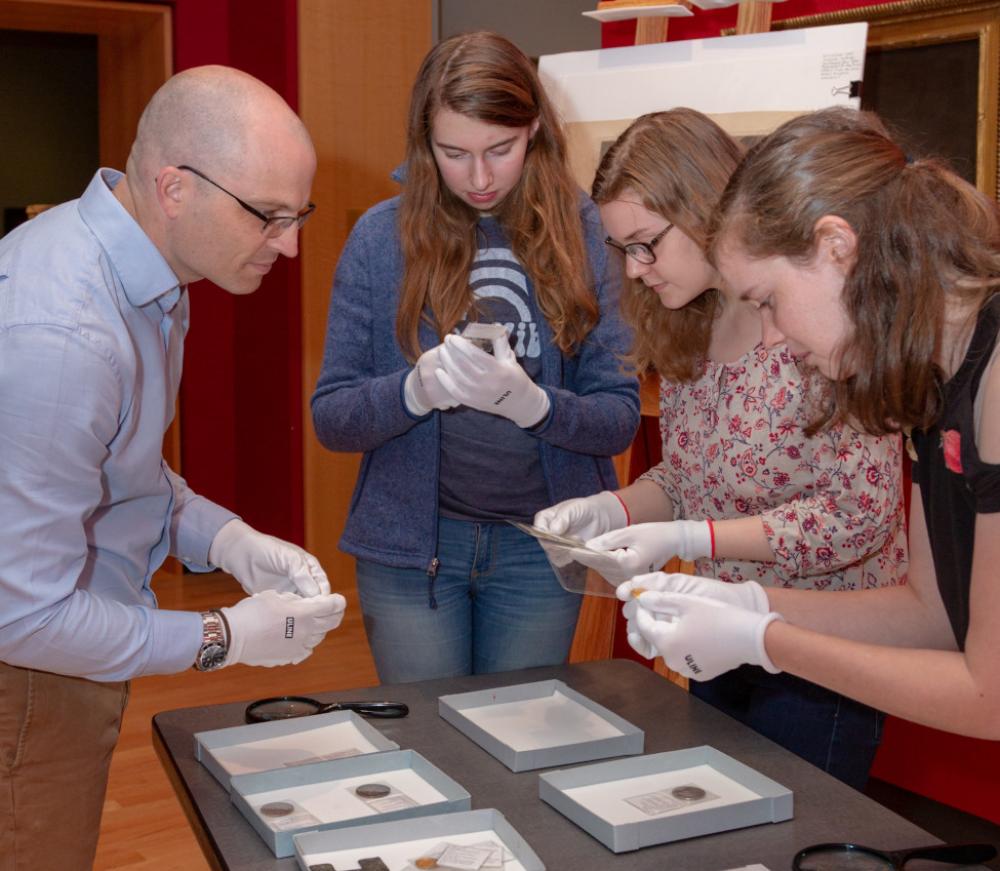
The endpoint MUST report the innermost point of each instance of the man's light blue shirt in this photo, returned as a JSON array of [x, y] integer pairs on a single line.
[[92, 326]]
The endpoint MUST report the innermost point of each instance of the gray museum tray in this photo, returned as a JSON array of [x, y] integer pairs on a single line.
[[314, 848], [539, 725], [607, 800], [285, 743], [326, 790]]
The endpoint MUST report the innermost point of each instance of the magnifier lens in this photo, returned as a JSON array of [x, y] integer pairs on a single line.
[[836, 858], [284, 709]]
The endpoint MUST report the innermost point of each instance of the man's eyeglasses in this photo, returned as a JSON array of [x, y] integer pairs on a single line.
[[274, 225], [642, 252]]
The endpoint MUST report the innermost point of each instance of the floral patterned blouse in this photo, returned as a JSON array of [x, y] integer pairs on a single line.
[[734, 446]]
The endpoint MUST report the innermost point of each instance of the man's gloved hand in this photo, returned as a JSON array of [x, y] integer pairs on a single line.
[[585, 517], [645, 547], [702, 638], [494, 383], [749, 595], [273, 628], [422, 391], [262, 562]]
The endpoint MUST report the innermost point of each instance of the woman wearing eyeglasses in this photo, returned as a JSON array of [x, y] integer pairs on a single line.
[[745, 489], [489, 229]]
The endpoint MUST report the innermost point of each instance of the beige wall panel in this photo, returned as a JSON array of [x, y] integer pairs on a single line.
[[357, 62]]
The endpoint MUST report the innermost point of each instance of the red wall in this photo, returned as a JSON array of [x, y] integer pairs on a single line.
[[962, 772], [241, 408]]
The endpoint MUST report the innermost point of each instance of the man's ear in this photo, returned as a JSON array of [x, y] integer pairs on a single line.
[[836, 242], [171, 190]]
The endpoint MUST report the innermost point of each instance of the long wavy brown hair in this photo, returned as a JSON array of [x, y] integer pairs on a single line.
[[677, 163], [484, 76], [923, 235]]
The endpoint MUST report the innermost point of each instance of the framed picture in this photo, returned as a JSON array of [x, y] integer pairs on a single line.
[[932, 71]]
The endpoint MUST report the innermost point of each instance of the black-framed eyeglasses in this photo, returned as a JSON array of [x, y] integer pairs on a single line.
[[274, 225], [832, 857], [642, 252]]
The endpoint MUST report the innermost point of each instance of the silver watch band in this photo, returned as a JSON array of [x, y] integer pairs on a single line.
[[215, 641]]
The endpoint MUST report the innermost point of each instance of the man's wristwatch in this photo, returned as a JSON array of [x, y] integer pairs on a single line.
[[214, 644]]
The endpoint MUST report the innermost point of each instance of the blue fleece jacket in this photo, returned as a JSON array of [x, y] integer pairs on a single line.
[[358, 402]]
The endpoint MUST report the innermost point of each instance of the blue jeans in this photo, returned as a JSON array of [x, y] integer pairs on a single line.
[[494, 605], [831, 731]]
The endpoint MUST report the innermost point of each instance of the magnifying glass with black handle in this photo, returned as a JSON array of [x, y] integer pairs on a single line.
[[832, 857], [289, 707]]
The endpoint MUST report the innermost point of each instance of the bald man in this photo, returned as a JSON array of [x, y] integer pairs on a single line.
[[93, 313]]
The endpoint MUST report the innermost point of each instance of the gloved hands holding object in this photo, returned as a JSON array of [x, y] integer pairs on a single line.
[[645, 547], [749, 595], [422, 392], [495, 383], [699, 637], [262, 562], [585, 517], [273, 628]]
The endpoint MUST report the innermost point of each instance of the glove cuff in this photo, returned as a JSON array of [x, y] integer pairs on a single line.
[[614, 509], [756, 597], [413, 405], [762, 657], [696, 539], [535, 410], [231, 531]]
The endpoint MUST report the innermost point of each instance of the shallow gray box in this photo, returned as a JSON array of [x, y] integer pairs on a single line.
[[246, 785], [773, 804], [207, 744], [438, 826], [452, 708]]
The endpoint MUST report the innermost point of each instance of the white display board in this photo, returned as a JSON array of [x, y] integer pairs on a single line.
[[750, 84]]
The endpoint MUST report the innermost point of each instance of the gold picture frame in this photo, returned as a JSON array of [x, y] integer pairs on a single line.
[[921, 23]]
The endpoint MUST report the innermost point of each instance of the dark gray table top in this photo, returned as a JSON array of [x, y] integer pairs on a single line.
[[825, 809]]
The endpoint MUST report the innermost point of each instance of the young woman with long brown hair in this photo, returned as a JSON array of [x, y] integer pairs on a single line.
[[883, 273], [489, 228], [745, 488]]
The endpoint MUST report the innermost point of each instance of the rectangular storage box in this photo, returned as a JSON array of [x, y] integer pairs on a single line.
[[538, 725], [322, 795], [632, 803], [287, 743], [398, 844]]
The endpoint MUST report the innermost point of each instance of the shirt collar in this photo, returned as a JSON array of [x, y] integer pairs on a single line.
[[143, 272]]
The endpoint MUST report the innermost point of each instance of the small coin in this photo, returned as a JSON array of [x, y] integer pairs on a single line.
[[688, 793], [372, 790], [277, 808], [637, 592], [426, 862]]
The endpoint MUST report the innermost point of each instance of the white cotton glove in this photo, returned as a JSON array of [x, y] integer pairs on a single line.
[[702, 638], [645, 547], [422, 392], [749, 595], [494, 383], [584, 517], [262, 562], [273, 628]]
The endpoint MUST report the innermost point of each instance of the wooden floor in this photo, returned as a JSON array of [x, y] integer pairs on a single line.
[[144, 826]]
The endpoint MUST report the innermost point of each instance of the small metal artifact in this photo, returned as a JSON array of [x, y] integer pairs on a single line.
[[425, 862], [372, 790], [688, 793], [277, 808]]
